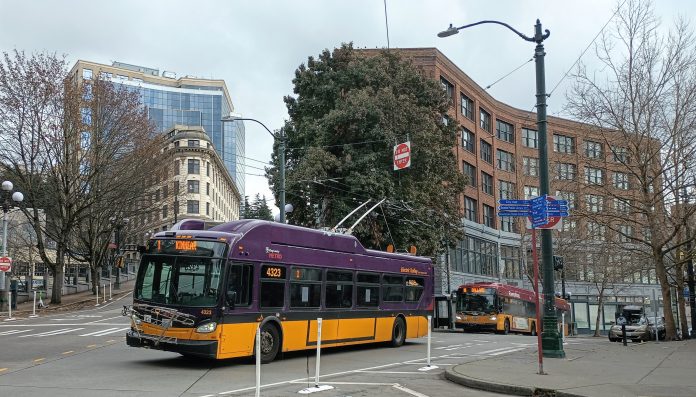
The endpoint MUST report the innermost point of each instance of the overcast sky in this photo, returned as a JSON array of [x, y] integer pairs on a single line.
[[255, 46]]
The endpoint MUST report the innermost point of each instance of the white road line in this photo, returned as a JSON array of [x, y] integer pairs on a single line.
[[50, 333], [507, 351], [494, 350], [98, 321], [447, 347], [392, 372], [14, 331], [62, 325], [112, 332], [409, 391], [95, 333]]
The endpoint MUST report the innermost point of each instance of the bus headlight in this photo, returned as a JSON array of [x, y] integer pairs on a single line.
[[494, 318], [459, 317], [206, 328]]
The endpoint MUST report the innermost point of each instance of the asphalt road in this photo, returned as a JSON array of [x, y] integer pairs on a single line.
[[84, 354]]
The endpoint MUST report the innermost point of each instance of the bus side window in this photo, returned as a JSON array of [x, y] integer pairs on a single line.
[[240, 282]]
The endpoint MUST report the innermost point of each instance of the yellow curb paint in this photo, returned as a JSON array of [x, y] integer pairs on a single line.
[[68, 352], [38, 360]]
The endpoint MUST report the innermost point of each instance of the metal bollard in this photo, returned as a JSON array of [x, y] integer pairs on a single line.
[[9, 305], [97, 295], [104, 293], [109, 290], [430, 319], [33, 311], [258, 361], [316, 370]]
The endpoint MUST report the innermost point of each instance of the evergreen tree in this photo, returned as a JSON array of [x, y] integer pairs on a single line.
[[348, 111]]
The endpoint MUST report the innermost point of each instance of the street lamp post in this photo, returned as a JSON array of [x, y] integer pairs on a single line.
[[552, 343], [280, 137], [118, 224], [17, 197]]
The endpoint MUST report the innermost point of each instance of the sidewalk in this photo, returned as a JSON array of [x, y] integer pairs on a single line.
[[68, 302], [592, 367]]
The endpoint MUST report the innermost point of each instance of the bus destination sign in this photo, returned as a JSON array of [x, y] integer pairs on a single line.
[[181, 246]]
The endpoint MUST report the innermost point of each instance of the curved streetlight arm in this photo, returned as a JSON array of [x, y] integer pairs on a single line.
[[538, 37], [274, 135]]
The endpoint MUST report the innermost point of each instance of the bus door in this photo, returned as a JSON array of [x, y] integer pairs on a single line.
[[443, 315], [238, 328]]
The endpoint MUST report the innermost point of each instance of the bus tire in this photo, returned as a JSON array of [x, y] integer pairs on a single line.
[[398, 332], [534, 332], [270, 343], [506, 327]]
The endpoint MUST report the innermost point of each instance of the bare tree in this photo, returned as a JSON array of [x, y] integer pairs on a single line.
[[642, 100], [71, 148]]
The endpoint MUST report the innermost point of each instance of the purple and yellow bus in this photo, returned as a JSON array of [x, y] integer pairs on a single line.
[[204, 292]]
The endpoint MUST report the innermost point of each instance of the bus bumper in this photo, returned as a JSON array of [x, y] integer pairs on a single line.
[[199, 348]]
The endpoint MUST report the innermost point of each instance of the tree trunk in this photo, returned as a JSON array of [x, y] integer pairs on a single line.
[[670, 328], [600, 309], [58, 273], [681, 303]]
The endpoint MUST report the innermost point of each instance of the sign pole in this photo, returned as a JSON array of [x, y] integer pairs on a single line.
[[537, 324]]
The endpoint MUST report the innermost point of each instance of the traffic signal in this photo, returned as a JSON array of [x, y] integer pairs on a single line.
[[557, 262]]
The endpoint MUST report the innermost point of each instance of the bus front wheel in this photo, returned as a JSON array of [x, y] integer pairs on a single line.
[[534, 332], [399, 332], [270, 343]]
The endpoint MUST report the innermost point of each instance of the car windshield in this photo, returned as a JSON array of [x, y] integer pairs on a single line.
[[476, 303], [180, 280]]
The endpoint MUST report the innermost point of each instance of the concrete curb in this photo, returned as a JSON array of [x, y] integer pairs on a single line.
[[503, 388]]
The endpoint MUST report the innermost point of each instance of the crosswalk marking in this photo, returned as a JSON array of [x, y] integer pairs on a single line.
[[105, 332], [14, 331], [507, 351], [494, 350], [50, 333]]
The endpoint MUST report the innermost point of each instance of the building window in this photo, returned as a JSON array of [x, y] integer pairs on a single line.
[[468, 141], [192, 186], [192, 207], [504, 131], [507, 190], [593, 149], [595, 231], [477, 256], [488, 216], [625, 233], [563, 144], [568, 225], [470, 209], [485, 120], [194, 143], [593, 176], [512, 262], [467, 107], [530, 166], [177, 167], [207, 188], [566, 171], [487, 183], [595, 203], [207, 208], [507, 224], [570, 197], [194, 166], [622, 206], [620, 180], [449, 89], [164, 211], [165, 191], [176, 187], [531, 192], [207, 168], [620, 154], [87, 74], [486, 152], [530, 138], [505, 160], [470, 172]]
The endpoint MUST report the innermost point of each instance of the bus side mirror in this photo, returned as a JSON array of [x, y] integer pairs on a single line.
[[231, 298]]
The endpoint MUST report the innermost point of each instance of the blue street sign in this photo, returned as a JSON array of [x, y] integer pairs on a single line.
[[506, 207], [513, 213], [525, 202], [561, 214], [536, 222]]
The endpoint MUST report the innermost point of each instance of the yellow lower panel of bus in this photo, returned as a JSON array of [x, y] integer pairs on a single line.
[[416, 326], [356, 329], [178, 333], [237, 340]]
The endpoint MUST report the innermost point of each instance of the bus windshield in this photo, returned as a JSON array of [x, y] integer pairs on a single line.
[[471, 303], [179, 280]]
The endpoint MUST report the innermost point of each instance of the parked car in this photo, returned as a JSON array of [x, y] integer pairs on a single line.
[[641, 330]]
